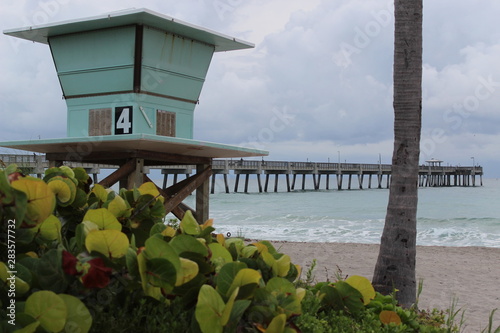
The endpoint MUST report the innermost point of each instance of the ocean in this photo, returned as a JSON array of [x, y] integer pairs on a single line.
[[447, 216]]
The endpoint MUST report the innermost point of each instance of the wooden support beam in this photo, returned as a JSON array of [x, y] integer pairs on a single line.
[[287, 182], [121, 173], [267, 182], [259, 182], [135, 178], [226, 185], [203, 192], [247, 177], [276, 183], [236, 182], [212, 190], [180, 209], [175, 194]]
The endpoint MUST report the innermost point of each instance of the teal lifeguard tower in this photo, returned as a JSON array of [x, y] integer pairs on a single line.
[[131, 81]]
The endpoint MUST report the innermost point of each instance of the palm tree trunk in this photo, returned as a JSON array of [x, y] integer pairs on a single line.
[[395, 268]]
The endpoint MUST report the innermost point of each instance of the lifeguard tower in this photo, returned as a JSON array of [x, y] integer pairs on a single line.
[[131, 81]]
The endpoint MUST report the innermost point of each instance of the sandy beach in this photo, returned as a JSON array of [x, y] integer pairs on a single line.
[[471, 274]]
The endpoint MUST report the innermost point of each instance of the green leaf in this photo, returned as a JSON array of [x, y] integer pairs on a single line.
[[50, 273], [229, 307], [220, 255], [239, 308], [341, 296], [226, 276], [22, 287], [103, 218], [78, 318], [209, 310], [189, 225], [148, 289], [80, 199], [48, 308], [185, 243], [30, 328], [131, 262], [111, 243], [161, 273], [158, 248], [248, 278]]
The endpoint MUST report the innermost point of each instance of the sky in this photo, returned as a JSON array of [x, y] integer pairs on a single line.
[[316, 87]]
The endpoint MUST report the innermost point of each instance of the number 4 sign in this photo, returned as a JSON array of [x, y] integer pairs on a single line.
[[123, 120]]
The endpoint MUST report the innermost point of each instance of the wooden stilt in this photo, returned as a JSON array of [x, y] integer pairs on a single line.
[[247, 176], [226, 184], [212, 191], [202, 193], [236, 183]]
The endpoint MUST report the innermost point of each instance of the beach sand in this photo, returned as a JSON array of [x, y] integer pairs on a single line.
[[470, 274]]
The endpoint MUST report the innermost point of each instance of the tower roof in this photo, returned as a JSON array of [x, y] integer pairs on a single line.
[[142, 16]]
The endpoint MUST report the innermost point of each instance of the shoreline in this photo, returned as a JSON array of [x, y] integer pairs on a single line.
[[468, 274]]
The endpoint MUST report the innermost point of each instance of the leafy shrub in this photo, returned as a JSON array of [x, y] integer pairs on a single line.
[[89, 259]]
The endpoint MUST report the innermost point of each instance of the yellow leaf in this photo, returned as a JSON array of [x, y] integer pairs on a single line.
[[277, 325], [387, 317], [282, 266], [300, 292], [208, 223], [41, 199], [244, 277], [150, 188], [168, 232], [220, 239], [261, 247], [64, 189], [363, 285], [100, 192], [88, 227], [32, 254], [118, 207], [50, 229], [189, 269], [111, 243], [103, 219]]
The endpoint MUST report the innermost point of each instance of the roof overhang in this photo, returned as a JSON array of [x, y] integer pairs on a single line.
[[133, 142], [143, 16]]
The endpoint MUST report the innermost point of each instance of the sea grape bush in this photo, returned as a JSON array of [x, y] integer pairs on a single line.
[[86, 254]]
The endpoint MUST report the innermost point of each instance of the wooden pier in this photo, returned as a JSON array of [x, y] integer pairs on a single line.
[[347, 175]]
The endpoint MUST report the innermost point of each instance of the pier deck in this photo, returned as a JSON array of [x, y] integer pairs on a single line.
[[429, 175]]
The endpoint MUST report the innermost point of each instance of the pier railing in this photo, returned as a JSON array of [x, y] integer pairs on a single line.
[[429, 175]]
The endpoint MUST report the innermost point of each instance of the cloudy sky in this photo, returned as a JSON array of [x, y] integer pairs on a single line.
[[317, 85]]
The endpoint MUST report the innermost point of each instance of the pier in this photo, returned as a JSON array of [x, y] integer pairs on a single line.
[[347, 175]]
